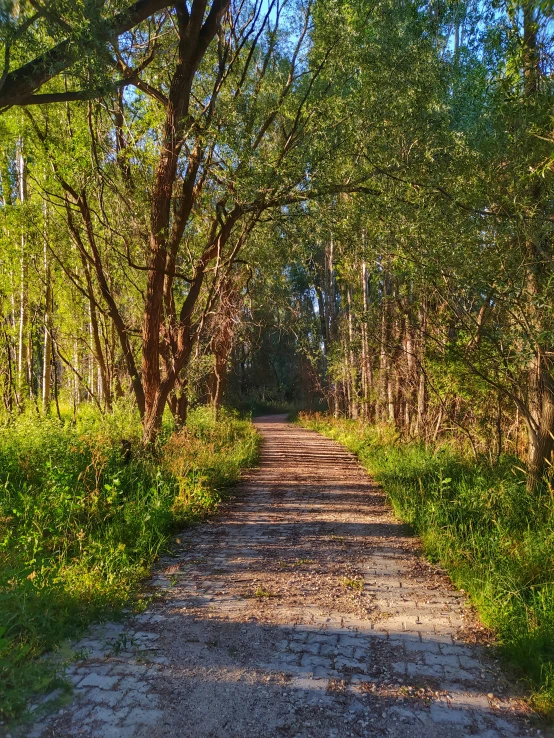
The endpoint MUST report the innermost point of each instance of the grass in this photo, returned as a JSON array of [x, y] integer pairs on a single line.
[[262, 591], [357, 584], [82, 517], [495, 540]]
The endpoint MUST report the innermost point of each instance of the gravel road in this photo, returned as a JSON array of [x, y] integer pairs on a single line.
[[304, 609]]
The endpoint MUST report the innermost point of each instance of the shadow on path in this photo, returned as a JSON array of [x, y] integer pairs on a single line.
[[303, 610]]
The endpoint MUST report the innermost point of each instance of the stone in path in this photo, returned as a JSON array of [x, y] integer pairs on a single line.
[[303, 610]]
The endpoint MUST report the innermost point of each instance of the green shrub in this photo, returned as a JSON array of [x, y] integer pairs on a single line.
[[495, 540], [84, 511]]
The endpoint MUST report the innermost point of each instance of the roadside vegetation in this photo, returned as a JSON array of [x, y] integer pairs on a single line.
[[84, 511], [496, 543], [270, 205]]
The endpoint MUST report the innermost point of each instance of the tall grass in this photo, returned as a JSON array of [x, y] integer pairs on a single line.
[[84, 511], [495, 540]]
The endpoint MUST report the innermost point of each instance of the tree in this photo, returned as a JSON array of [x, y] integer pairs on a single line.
[[65, 34], [210, 182]]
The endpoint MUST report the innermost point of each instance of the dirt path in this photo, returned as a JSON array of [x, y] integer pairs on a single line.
[[302, 610]]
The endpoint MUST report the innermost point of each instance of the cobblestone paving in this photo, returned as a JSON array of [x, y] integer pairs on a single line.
[[304, 610]]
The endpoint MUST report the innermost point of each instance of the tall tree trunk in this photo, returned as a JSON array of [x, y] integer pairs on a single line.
[[540, 382], [91, 364], [352, 369], [322, 314], [56, 384], [23, 368], [421, 407], [75, 381], [196, 31], [411, 388], [385, 402], [367, 365], [94, 330], [47, 359], [421, 386], [104, 390], [331, 323]]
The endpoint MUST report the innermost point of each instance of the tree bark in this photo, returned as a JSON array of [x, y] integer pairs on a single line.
[[23, 369], [47, 358], [195, 37], [178, 403], [540, 384], [541, 425], [97, 350]]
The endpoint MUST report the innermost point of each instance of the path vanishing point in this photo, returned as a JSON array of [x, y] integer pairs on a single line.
[[302, 610]]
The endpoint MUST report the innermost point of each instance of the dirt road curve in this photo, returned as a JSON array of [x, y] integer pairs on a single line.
[[302, 610]]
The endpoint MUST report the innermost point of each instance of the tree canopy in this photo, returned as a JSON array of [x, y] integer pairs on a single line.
[[357, 193]]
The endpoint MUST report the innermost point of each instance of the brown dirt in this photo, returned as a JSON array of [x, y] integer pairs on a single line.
[[303, 610]]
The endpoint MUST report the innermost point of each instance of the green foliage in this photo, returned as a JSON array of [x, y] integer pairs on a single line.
[[83, 516], [385, 171], [496, 541]]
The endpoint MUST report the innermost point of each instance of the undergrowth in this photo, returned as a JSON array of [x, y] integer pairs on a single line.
[[84, 511], [477, 520]]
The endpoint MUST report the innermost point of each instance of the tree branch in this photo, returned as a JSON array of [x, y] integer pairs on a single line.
[[23, 82]]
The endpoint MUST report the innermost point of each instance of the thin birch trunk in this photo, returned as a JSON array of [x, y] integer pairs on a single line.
[[352, 370], [47, 361], [23, 384]]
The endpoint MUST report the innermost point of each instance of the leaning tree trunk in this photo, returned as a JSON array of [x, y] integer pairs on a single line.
[[96, 343]]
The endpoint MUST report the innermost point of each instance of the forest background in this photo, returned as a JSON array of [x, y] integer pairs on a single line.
[[272, 204]]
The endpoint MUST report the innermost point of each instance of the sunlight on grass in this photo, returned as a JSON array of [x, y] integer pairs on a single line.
[[82, 520], [496, 541]]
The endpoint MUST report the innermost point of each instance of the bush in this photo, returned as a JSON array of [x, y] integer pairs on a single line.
[[84, 511], [495, 540]]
